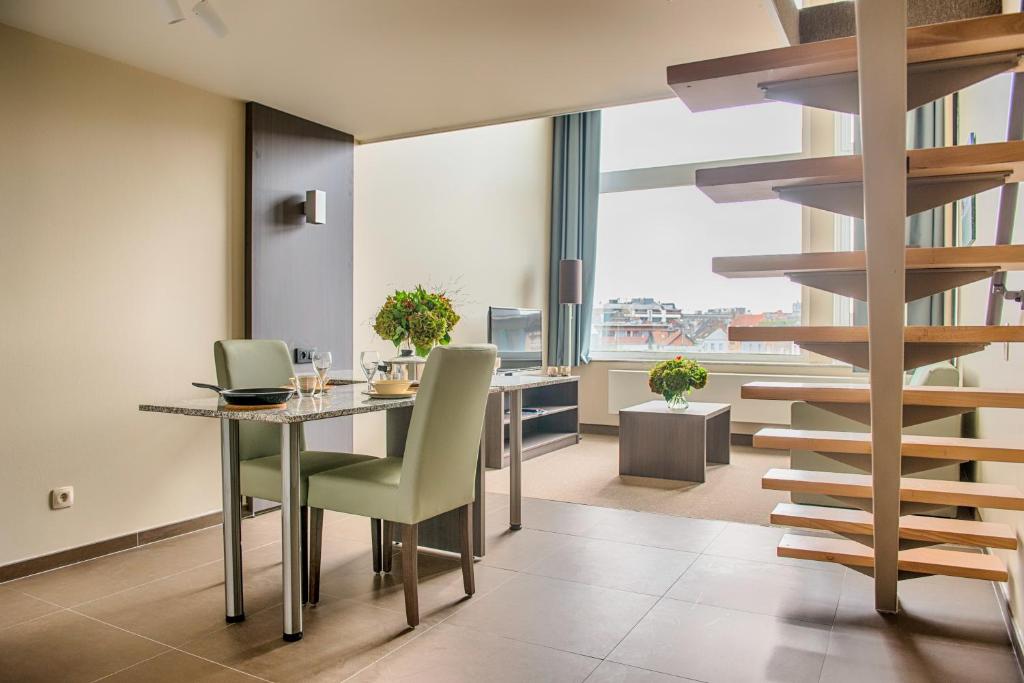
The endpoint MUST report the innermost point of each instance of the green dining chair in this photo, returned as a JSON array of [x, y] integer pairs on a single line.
[[250, 363], [437, 472]]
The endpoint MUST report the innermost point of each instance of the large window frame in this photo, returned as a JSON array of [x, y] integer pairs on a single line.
[[818, 229]]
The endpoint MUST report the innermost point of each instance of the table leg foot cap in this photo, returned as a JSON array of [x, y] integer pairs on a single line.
[[234, 619], [292, 637], [515, 527]]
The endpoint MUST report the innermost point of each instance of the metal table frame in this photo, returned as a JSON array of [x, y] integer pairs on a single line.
[[291, 562]]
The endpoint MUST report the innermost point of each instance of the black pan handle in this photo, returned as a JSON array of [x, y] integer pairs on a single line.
[[212, 387]]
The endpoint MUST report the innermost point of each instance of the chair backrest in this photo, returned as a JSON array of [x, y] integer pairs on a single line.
[[249, 364], [443, 443]]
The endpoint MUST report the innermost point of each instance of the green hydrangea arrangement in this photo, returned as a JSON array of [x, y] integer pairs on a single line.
[[422, 317], [677, 377]]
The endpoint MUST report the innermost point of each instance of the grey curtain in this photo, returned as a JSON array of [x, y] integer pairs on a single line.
[[925, 128], [575, 182]]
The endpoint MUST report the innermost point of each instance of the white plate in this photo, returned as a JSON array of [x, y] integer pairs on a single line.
[[404, 394]]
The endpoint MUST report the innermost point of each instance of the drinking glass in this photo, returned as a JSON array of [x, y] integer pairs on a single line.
[[369, 360], [322, 364]]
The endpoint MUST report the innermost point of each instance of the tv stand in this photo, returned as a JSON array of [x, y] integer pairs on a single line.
[[550, 422]]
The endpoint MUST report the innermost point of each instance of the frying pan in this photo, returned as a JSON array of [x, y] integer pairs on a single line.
[[249, 397]]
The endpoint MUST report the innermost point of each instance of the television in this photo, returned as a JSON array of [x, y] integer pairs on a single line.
[[517, 334]]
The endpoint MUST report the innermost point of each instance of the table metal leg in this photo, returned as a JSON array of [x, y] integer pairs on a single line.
[[232, 502], [515, 468], [291, 568]]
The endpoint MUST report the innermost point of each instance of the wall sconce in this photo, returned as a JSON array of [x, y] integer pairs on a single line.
[[315, 207]]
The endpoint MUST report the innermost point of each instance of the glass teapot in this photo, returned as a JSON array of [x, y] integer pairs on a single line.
[[405, 366]]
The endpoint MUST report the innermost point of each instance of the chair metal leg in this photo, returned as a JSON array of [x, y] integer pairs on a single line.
[[466, 547], [316, 540], [387, 545], [410, 573], [375, 543], [304, 551]]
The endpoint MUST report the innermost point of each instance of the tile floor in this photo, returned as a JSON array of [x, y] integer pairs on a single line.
[[580, 593]]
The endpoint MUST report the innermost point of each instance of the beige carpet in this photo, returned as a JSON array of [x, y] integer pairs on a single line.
[[589, 473]]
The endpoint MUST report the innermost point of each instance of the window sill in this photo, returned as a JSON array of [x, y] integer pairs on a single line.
[[779, 366]]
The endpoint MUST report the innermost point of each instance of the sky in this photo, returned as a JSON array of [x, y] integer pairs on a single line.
[[659, 243]]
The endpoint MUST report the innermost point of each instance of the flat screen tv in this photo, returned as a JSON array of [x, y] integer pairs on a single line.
[[517, 334]]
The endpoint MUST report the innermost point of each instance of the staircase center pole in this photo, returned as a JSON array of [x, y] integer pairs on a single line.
[[882, 65]]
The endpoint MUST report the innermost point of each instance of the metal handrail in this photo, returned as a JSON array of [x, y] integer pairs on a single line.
[[1007, 203]]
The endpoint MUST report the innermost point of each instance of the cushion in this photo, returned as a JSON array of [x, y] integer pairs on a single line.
[[936, 375], [369, 489], [261, 477]]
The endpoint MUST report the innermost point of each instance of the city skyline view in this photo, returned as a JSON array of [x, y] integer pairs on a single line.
[[654, 286], [647, 324]]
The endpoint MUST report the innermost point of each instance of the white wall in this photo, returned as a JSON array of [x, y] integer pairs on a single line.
[[468, 211], [121, 257], [983, 111], [120, 264]]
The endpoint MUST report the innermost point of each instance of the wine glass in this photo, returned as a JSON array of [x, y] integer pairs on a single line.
[[369, 360], [322, 364], [296, 386]]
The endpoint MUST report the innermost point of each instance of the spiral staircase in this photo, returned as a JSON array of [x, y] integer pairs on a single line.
[[886, 533]]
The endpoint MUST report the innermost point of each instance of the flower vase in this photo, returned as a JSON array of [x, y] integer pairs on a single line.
[[676, 400]]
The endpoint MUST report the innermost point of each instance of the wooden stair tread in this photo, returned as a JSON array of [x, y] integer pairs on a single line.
[[962, 397], [939, 447], [919, 560], [915, 334], [734, 80], [1001, 257], [912, 527], [933, 491], [754, 182]]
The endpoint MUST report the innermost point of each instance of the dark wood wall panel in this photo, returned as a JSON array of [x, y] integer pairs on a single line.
[[299, 275]]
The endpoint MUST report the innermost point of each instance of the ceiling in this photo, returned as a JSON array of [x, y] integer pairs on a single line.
[[382, 69]]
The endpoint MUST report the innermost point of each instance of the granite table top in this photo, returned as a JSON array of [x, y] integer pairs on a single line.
[[345, 377], [343, 399]]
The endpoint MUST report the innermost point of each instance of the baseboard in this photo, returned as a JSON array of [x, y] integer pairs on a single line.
[[736, 439], [606, 430], [1016, 637], [91, 551]]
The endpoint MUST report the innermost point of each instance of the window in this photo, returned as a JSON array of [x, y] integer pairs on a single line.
[[657, 233], [666, 133]]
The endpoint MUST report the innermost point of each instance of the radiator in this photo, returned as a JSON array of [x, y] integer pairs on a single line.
[[629, 387]]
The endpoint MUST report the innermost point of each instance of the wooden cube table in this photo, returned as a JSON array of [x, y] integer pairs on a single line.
[[670, 444]]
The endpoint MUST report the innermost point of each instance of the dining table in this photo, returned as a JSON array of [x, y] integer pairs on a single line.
[[346, 397]]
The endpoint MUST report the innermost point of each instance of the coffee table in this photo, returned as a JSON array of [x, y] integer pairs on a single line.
[[671, 444]]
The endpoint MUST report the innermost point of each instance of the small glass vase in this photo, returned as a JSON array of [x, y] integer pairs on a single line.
[[676, 400]]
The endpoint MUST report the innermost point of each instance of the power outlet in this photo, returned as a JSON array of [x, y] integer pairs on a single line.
[[303, 355], [63, 497]]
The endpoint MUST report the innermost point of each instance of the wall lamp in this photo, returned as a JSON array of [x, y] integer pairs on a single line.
[[315, 207]]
